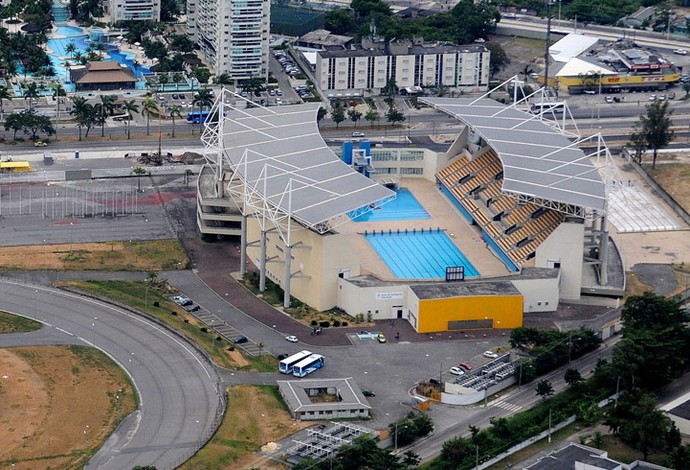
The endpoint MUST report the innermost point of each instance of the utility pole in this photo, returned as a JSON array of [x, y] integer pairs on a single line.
[[549, 425], [549, 6]]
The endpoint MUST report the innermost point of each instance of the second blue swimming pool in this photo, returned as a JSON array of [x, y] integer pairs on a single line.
[[404, 207], [419, 255]]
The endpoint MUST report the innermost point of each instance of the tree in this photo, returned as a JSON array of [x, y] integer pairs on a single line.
[[679, 457], [371, 116], [177, 78], [455, 450], [148, 106], [320, 114], [174, 110], [526, 71], [130, 106], [544, 388], [411, 459], [655, 127], [203, 99], [638, 142], [139, 172], [391, 87], [31, 93], [14, 123], [686, 88], [338, 116], [640, 424], [70, 49], [339, 21], [223, 79], [354, 115], [105, 108], [4, 95], [394, 116], [201, 74], [572, 377], [80, 110], [252, 85], [499, 58]]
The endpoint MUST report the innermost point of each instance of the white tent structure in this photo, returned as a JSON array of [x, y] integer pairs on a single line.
[[571, 46], [576, 67]]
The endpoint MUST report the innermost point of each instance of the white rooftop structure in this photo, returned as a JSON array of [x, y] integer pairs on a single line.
[[537, 161], [279, 155], [576, 67], [571, 46]]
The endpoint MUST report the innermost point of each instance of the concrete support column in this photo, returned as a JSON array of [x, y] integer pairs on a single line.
[[243, 247], [262, 276], [603, 253], [288, 270]]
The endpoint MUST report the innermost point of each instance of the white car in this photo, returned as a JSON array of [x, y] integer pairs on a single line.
[[680, 51], [456, 371], [490, 354], [291, 339]]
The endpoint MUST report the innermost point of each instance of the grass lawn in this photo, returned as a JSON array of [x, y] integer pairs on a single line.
[[256, 417], [155, 302], [15, 324], [155, 255]]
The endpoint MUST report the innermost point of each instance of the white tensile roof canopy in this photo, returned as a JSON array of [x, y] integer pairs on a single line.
[[537, 161], [571, 46], [280, 156]]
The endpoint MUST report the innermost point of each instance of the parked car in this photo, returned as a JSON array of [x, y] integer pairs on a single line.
[[609, 99], [192, 308], [652, 98], [381, 338], [280, 357], [465, 366], [434, 382], [490, 354], [358, 134], [680, 51], [291, 339], [240, 340], [455, 370], [182, 301], [40, 143], [368, 393]]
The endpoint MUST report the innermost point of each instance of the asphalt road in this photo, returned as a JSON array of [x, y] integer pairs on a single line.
[[177, 385]]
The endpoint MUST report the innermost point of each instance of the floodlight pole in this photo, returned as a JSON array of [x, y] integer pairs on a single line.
[[549, 6]]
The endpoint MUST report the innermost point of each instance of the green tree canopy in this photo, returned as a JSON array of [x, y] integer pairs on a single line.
[[654, 128]]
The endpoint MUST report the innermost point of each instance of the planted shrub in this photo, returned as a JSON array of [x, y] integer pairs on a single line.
[[344, 323], [336, 323], [204, 329], [314, 323], [324, 324], [156, 304], [173, 312]]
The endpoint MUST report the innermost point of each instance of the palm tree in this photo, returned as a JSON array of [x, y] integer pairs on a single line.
[[204, 98], [58, 92], [163, 80], [139, 171], [79, 110], [253, 85], [223, 79], [526, 71], [148, 105], [4, 95], [31, 93], [174, 110], [130, 106], [70, 49], [105, 109]]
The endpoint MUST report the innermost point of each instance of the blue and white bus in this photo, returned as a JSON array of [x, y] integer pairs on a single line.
[[198, 117], [308, 365], [286, 365]]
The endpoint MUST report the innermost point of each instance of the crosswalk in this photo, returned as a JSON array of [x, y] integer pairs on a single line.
[[506, 406]]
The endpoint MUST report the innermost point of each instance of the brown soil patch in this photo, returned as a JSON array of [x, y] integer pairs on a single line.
[[120, 256], [238, 358], [58, 405], [673, 177]]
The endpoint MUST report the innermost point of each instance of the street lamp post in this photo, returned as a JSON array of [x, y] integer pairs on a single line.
[[549, 6]]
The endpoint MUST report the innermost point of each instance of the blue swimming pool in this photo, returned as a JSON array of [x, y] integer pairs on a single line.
[[68, 31], [404, 207], [419, 254]]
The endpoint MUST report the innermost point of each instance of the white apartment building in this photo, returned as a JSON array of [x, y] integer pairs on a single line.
[[458, 68], [232, 35], [121, 10]]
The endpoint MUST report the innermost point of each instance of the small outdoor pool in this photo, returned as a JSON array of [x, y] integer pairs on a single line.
[[404, 207]]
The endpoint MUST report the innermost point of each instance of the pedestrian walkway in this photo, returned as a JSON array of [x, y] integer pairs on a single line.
[[632, 210], [505, 405]]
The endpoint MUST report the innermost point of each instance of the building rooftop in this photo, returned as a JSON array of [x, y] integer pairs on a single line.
[[412, 49], [324, 38], [464, 288], [101, 72], [568, 458], [296, 393]]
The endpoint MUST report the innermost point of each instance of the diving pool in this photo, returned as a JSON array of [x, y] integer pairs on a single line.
[[419, 254], [404, 207]]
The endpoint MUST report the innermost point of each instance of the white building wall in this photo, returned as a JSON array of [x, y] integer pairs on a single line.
[[382, 302], [539, 295], [137, 10], [564, 249]]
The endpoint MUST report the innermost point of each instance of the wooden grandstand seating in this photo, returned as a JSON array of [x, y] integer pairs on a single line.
[[519, 214], [493, 230], [504, 203], [444, 173]]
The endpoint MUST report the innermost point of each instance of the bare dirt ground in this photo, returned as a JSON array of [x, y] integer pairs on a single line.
[[39, 425]]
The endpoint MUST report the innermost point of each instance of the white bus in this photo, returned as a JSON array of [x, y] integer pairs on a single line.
[[285, 366], [308, 365]]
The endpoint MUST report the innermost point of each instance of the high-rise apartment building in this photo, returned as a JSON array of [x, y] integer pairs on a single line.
[[121, 10], [232, 35]]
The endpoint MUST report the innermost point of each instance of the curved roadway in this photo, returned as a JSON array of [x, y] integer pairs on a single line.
[[178, 387]]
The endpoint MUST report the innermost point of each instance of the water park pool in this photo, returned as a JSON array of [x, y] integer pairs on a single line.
[[419, 254], [404, 207]]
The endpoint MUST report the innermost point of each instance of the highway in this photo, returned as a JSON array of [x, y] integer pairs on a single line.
[[181, 402]]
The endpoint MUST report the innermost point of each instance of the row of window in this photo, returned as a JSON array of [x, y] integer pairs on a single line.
[[393, 155]]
